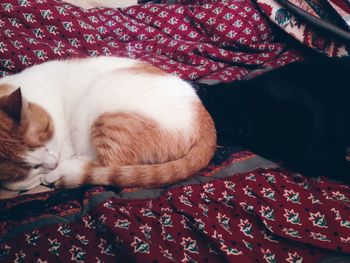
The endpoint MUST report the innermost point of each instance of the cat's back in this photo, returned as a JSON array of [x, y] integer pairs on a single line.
[[64, 71], [143, 89], [89, 87], [137, 88]]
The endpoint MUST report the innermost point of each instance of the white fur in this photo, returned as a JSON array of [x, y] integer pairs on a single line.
[[73, 167], [76, 92]]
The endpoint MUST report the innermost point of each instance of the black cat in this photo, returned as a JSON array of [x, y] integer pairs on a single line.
[[298, 114]]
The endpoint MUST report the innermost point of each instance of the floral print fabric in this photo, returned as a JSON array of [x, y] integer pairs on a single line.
[[264, 215], [222, 41]]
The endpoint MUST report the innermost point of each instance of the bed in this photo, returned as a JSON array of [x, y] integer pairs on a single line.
[[242, 207]]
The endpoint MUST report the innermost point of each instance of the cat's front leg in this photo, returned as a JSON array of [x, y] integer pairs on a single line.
[[68, 174], [30, 182]]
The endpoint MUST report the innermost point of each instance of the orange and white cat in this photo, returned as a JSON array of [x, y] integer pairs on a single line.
[[104, 121]]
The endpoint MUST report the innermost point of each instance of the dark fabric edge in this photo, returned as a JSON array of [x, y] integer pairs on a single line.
[[95, 201], [336, 259]]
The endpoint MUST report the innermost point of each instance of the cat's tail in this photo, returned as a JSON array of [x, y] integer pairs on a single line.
[[156, 174], [162, 174]]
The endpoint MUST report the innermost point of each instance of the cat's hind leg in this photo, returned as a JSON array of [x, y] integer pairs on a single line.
[[119, 139], [124, 138]]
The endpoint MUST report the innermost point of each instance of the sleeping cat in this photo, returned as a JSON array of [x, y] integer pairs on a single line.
[[298, 114], [105, 121]]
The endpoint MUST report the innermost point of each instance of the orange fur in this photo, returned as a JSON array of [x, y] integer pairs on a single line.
[[36, 125], [143, 68], [5, 89], [16, 138], [12, 147], [129, 138]]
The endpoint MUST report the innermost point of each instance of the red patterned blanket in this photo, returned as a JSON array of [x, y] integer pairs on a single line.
[[220, 41], [242, 208], [236, 213]]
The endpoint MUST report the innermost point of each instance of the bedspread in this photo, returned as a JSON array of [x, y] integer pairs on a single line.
[[242, 209], [221, 41]]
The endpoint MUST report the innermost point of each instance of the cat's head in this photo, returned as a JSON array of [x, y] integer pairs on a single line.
[[26, 131]]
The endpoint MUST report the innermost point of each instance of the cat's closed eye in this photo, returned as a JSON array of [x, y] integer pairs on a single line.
[[37, 166]]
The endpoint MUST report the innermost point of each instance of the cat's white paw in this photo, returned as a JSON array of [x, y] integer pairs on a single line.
[[51, 177], [68, 174]]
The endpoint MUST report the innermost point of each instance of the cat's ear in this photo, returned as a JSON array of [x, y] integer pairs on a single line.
[[12, 105]]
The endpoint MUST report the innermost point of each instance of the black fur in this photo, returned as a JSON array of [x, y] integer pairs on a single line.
[[298, 114]]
